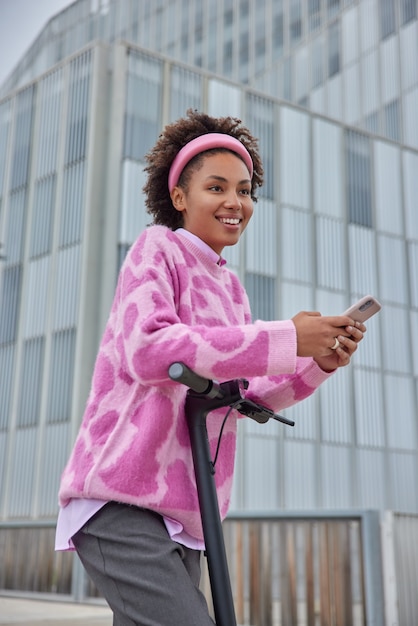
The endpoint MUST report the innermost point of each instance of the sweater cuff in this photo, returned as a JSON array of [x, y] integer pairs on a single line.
[[282, 346]]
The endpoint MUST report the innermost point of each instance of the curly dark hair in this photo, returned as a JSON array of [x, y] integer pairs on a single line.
[[171, 141]]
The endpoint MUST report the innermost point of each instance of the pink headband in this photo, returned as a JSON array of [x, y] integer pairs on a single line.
[[201, 144]]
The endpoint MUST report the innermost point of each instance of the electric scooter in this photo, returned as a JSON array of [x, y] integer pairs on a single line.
[[203, 396]]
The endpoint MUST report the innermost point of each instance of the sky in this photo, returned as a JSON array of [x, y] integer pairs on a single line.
[[20, 23]]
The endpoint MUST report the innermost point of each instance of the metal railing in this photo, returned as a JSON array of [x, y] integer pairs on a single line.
[[332, 568]]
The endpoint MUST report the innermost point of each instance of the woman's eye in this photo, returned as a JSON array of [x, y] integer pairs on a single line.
[[246, 192]]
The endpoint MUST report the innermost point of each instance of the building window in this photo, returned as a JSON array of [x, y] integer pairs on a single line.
[[387, 18], [314, 14], [295, 21], [61, 376], [358, 172], [78, 109], [185, 92], [9, 303], [261, 293], [317, 72], [261, 121], [22, 140], [408, 10], [333, 7], [334, 49], [142, 115], [277, 29], [392, 126], [31, 382]]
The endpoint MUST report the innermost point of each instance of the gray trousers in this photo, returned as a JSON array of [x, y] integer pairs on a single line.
[[146, 578]]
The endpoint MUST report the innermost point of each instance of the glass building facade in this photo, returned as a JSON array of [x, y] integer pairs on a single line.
[[336, 219]]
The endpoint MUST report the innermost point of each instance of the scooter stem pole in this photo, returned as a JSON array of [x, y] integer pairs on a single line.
[[196, 409]]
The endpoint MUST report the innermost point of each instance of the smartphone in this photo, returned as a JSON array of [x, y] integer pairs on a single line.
[[363, 309]]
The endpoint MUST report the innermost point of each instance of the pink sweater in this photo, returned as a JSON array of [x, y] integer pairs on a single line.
[[173, 303]]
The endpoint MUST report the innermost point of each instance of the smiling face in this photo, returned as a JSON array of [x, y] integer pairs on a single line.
[[216, 204]]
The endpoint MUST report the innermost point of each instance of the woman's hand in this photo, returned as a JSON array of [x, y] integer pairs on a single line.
[[317, 334]]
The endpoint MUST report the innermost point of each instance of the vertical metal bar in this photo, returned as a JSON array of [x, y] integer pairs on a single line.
[[372, 564]]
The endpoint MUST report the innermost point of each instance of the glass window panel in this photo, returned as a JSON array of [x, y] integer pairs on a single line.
[[392, 269], [73, 205], [142, 116], [277, 29], [35, 314], [414, 336], [336, 476], [335, 97], [54, 455], [334, 49], [31, 382], [261, 458], [185, 92], [15, 227], [387, 18], [389, 74], [363, 260], [260, 120], [133, 217], [358, 173], [77, 122], [317, 70], [223, 99], [327, 167], [22, 139], [22, 472], [369, 409], [399, 400], [388, 188], [10, 303], [403, 476], [413, 271], [295, 298], [369, 25], [410, 178], [371, 123], [397, 346], [392, 120], [336, 408], [352, 110], [4, 141], [261, 292], [408, 37], [7, 359], [43, 216], [408, 11], [410, 118], [61, 376], [67, 289], [49, 106], [314, 14], [301, 79], [295, 21], [296, 245], [294, 158], [261, 239], [350, 36], [370, 83], [370, 479], [300, 476], [330, 253], [304, 414]]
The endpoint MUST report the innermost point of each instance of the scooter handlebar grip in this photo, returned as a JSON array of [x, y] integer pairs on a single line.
[[180, 373]]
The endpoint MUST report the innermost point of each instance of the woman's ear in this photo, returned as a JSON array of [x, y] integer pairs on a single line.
[[178, 198]]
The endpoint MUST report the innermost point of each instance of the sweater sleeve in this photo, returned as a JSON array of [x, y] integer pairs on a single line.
[[153, 327]]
